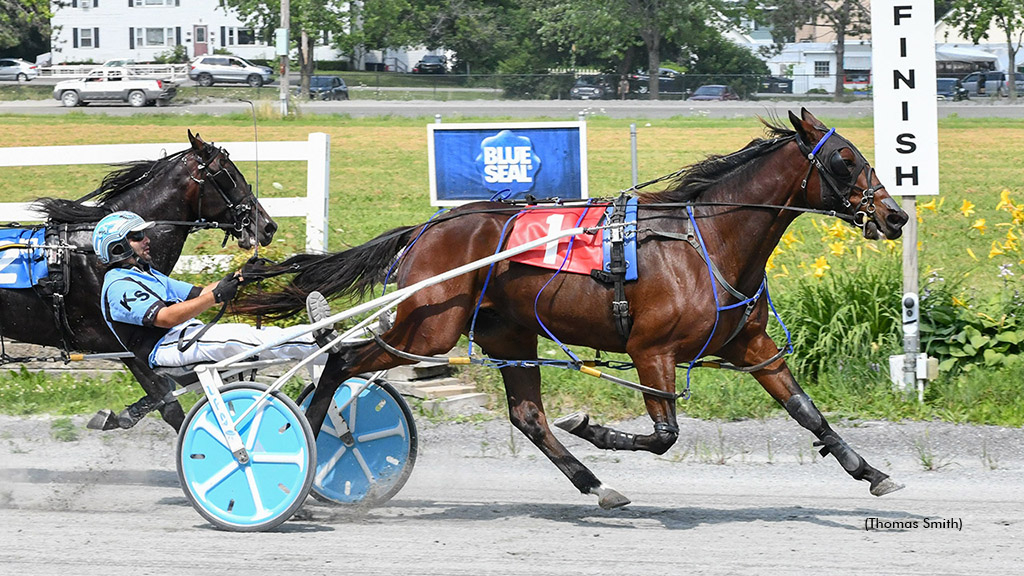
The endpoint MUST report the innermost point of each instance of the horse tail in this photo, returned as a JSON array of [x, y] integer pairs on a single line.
[[352, 272], [69, 211]]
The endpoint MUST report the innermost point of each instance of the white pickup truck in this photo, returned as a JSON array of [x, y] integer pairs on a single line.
[[114, 84]]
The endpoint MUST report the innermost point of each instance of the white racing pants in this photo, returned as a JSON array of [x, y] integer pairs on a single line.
[[222, 341]]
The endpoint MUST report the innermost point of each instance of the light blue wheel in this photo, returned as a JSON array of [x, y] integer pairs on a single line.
[[266, 490], [366, 452]]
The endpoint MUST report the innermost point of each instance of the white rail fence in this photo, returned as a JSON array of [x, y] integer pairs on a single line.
[[313, 206]]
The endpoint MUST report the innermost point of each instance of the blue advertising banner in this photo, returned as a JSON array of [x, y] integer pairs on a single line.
[[471, 162]]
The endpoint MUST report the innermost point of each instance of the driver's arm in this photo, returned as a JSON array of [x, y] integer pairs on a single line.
[[171, 316]]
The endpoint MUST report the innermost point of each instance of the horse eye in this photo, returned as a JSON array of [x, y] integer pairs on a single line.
[[839, 166]]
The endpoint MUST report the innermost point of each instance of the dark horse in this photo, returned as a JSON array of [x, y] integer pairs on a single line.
[[196, 185], [743, 203]]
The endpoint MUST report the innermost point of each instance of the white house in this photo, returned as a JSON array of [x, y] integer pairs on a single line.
[[100, 30], [140, 30]]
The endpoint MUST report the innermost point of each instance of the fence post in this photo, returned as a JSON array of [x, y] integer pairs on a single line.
[[318, 182]]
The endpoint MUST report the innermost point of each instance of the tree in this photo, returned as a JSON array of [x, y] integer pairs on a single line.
[[308, 20], [974, 18], [843, 17], [21, 20]]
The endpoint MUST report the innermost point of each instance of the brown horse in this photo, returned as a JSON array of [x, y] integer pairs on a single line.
[[680, 309]]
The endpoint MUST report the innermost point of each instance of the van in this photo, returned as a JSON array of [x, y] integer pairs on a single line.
[[991, 83]]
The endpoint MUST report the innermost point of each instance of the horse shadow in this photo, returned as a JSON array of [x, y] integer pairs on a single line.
[[629, 517]]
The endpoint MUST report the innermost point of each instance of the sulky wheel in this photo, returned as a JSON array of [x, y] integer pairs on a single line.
[[263, 492], [367, 452]]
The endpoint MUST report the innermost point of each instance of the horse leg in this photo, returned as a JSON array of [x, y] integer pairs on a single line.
[[657, 372], [778, 381], [157, 397]]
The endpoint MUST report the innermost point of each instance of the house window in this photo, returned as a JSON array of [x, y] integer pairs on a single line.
[[154, 36], [858, 76], [85, 38], [822, 68], [241, 37]]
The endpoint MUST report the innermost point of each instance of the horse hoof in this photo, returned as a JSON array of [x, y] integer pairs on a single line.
[[608, 498], [573, 422], [885, 487], [103, 420]]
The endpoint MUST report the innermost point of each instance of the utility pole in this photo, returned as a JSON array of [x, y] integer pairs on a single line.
[[282, 51]]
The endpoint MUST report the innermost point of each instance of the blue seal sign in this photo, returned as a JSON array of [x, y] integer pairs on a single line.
[[471, 162]]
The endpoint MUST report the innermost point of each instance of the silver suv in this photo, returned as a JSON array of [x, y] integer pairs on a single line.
[[209, 69], [991, 84]]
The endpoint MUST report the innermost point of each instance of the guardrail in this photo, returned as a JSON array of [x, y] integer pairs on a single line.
[[313, 206]]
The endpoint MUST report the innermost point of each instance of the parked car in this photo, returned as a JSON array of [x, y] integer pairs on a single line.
[[710, 92], [991, 83], [213, 68], [670, 83], [594, 87], [17, 69], [431, 64], [113, 84], [950, 89], [327, 88]]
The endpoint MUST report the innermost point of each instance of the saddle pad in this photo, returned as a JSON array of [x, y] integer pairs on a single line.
[[535, 223], [21, 267]]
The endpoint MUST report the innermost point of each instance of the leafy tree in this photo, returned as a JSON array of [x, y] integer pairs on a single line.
[[974, 18], [23, 20], [308, 19], [843, 17]]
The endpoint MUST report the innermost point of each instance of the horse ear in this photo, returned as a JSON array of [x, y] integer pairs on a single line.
[[192, 139], [810, 119], [803, 129]]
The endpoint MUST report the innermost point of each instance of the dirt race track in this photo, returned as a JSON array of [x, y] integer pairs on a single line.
[[730, 498]]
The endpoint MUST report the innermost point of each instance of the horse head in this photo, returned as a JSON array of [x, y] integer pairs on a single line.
[[230, 199], [847, 184]]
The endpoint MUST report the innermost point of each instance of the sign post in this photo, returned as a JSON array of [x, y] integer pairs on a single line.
[[906, 140]]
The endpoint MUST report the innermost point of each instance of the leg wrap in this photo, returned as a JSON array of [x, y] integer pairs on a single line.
[[610, 438], [803, 410]]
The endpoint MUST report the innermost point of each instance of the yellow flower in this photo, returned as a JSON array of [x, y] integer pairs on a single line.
[[820, 267], [971, 254], [837, 248], [928, 205], [959, 302], [979, 225], [859, 252], [996, 250], [1005, 203], [837, 230], [967, 208], [784, 273], [789, 239]]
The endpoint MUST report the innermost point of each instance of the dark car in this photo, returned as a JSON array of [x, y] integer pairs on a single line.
[[593, 87], [777, 85], [670, 83], [710, 92], [327, 88], [431, 64], [950, 89]]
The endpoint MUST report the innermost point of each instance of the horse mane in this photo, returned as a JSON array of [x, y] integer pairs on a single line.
[[688, 184], [113, 186]]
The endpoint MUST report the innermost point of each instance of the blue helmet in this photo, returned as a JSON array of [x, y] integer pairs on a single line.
[[110, 237]]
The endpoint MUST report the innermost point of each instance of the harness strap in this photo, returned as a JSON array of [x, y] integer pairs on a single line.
[[616, 273]]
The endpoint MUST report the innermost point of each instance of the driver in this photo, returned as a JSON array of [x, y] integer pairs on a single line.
[[154, 316]]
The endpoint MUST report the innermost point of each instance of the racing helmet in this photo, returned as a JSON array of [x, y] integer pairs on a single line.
[[110, 237]]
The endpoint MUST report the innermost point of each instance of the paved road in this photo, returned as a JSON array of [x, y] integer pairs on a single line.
[[557, 109], [730, 498]]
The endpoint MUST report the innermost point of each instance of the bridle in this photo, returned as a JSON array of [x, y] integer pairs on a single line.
[[223, 182], [838, 177]]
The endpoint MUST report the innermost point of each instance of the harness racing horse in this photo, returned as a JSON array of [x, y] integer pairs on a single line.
[[743, 203], [190, 189]]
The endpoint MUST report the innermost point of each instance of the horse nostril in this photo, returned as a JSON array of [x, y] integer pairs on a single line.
[[896, 219], [270, 228]]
